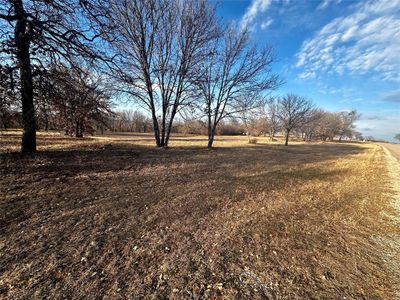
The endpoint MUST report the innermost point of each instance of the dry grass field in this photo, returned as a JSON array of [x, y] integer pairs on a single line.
[[129, 221]]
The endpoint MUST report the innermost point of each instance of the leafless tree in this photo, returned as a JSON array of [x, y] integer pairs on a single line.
[[313, 128], [273, 124], [235, 69], [78, 100], [250, 112], [131, 121], [159, 44], [8, 95], [358, 136], [34, 32], [397, 137], [330, 125], [293, 112], [347, 119]]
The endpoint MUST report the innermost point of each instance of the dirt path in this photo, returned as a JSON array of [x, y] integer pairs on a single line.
[[394, 149], [393, 164]]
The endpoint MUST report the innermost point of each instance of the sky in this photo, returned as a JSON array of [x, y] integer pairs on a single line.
[[342, 54]]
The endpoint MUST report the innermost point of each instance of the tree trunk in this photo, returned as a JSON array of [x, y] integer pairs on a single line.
[[46, 123], [169, 128], [163, 130], [287, 137], [156, 129], [22, 40], [79, 129], [211, 135], [210, 141]]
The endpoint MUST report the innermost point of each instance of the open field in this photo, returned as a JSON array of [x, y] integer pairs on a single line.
[[129, 221]]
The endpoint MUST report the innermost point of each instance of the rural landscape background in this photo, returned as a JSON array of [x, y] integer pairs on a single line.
[[162, 149]]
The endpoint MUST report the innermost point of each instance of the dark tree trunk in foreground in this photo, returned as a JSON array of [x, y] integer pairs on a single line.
[[22, 40]]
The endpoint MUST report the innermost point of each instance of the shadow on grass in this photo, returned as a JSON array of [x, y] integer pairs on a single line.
[[91, 158], [99, 204]]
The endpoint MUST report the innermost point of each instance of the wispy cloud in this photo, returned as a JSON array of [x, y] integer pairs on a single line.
[[374, 118], [325, 3], [256, 7], [393, 96], [380, 126], [265, 24], [368, 40]]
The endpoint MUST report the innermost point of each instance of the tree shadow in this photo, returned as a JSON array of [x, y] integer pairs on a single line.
[[105, 202], [122, 156]]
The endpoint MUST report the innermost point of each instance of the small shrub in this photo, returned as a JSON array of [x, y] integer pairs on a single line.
[[252, 141]]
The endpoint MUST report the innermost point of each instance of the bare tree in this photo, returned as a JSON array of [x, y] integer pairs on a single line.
[[235, 69], [272, 120], [8, 95], [312, 129], [77, 100], [250, 112], [293, 112], [159, 45], [358, 136], [131, 121], [34, 32], [347, 119], [397, 137], [330, 125]]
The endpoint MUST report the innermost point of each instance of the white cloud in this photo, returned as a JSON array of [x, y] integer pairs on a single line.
[[256, 7], [264, 25], [325, 3], [307, 74], [366, 41], [392, 96]]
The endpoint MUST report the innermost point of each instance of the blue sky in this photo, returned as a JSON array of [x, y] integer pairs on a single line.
[[341, 54]]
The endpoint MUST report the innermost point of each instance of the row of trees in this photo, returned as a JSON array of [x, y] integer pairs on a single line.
[[130, 121], [138, 122], [173, 58], [288, 115], [295, 114]]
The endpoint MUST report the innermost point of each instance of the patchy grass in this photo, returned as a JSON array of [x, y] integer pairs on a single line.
[[49, 141], [244, 221]]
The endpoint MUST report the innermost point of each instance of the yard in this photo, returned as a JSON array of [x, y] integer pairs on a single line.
[[114, 217]]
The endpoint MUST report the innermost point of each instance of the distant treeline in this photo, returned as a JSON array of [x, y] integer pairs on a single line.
[[267, 120]]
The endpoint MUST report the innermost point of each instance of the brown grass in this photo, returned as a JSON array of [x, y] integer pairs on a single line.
[[242, 221]]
